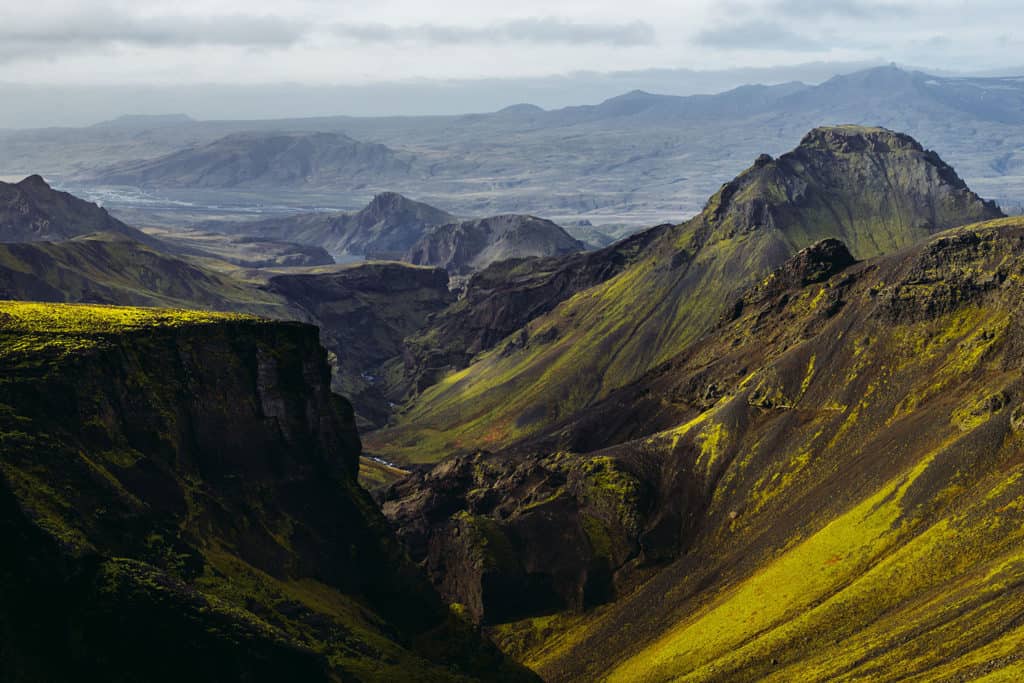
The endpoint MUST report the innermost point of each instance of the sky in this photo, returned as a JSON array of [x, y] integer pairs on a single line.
[[355, 43]]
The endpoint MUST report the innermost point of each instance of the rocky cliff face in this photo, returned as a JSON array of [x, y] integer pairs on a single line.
[[32, 211], [461, 248], [365, 313], [185, 480]]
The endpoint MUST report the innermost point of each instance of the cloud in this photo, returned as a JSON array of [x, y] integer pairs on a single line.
[[758, 35], [540, 31], [853, 9], [105, 28]]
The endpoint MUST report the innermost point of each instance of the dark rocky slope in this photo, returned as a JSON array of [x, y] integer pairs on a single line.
[[182, 482], [877, 190], [461, 248], [365, 312], [503, 297], [825, 487]]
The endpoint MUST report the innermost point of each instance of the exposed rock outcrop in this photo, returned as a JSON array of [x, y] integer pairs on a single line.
[[462, 248], [365, 312]]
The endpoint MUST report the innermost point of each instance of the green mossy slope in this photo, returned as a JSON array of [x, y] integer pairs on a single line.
[[877, 190], [858, 470]]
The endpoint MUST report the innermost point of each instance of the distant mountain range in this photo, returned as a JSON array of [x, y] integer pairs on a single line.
[[395, 227], [262, 159], [638, 159]]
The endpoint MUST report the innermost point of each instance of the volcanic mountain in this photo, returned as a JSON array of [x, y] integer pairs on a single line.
[[386, 228], [262, 159], [827, 486], [461, 248], [876, 190]]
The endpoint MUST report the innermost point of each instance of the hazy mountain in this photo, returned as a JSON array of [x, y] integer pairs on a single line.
[[263, 160], [32, 211], [385, 228], [463, 247], [639, 158]]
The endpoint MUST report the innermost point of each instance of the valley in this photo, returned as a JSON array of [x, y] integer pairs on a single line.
[[438, 399]]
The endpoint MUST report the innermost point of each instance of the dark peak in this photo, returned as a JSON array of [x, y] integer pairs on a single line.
[[34, 182], [810, 265], [816, 263], [850, 138], [888, 76], [763, 160], [388, 201]]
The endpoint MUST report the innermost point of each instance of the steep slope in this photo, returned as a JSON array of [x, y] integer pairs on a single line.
[[111, 269], [461, 248], [876, 190], [826, 487], [263, 159], [365, 312], [388, 226], [32, 211], [502, 298], [185, 482]]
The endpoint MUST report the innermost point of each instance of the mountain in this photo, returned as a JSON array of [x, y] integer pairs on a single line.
[[259, 159], [386, 228], [461, 248], [638, 159], [111, 269], [825, 487], [32, 211], [876, 190], [173, 480]]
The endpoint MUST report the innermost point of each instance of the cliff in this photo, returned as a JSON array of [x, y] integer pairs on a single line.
[[185, 482]]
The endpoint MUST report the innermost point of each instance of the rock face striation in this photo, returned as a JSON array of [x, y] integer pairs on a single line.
[[185, 482], [461, 248]]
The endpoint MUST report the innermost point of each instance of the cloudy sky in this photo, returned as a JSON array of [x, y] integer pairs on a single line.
[[355, 41]]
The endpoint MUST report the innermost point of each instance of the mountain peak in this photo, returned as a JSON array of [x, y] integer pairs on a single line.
[[34, 181], [853, 138]]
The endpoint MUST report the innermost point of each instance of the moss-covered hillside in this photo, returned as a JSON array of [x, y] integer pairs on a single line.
[[877, 190], [832, 483], [178, 496]]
